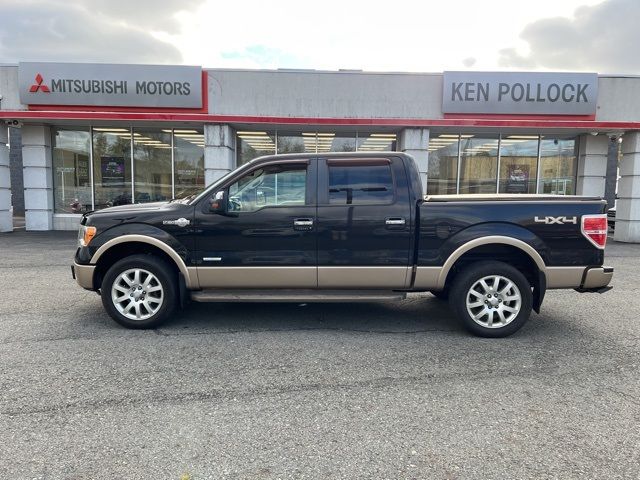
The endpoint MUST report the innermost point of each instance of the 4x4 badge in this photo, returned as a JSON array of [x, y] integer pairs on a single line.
[[558, 220], [181, 222]]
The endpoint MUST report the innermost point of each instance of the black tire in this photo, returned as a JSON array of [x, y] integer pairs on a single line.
[[470, 277], [165, 277], [440, 294]]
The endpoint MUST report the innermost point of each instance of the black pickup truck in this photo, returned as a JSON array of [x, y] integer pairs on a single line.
[[342, 228]]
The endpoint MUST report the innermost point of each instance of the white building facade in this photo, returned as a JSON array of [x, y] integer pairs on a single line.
[[94, 136]]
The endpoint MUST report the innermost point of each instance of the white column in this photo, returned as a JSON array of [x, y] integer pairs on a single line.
[[219, 152], [6, 219], [415, 141], [38, 178], [592, 165], [628, 206]]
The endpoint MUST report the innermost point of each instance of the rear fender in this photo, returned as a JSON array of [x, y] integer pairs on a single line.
[[500, 234], [534, 244]]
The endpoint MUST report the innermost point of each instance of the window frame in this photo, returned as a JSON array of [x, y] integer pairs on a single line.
[[310, 191], [323, 179]]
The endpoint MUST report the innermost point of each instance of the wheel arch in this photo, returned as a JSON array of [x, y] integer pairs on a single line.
[[126, 245], [480, 246]]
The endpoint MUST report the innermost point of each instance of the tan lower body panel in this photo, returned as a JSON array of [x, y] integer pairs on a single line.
[[564, 277], [191, 279], [598, 277], [427, 278], [84, 275], [257, 277], [364, 277]]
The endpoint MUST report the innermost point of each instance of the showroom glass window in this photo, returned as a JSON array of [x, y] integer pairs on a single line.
[[376, 142], [188, 154], [71, 170], [336, 142], [152, 165], [112, 166], [518, 163], [296, 142], [252, 144], [478, 164], [442, 177], [558, 163]]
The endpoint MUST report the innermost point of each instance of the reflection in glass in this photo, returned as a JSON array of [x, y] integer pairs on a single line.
[[152, 165], [478, 164], [331, 142], [71, 173], [189, 161], [376, 142], [255, 144], [558, 161], [112, 166], [443, 165], [271, 186], [518, 163], [360, 185], [296, 142]]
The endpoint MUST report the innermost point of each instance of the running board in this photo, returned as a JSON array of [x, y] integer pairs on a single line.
[[305, 296]]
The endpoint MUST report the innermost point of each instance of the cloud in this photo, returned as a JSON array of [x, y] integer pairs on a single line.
[[148, 14], [469, 62], [260, 56], [116, 31], [602, 38]]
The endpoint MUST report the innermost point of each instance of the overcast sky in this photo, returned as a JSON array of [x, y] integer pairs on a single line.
[[430, 36]]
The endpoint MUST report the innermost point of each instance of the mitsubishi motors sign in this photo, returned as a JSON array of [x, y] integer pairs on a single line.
[[110, 85]]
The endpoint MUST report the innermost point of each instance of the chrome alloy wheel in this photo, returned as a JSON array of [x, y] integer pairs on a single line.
[[493, 301], [137, 294]]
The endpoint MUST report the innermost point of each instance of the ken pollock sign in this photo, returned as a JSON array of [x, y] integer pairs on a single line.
[[110, 85], [520, 93]]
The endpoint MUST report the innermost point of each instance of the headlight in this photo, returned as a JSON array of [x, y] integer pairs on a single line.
[[85, 234]]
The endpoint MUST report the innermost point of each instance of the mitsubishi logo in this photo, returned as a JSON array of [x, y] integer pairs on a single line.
[[39, 86]]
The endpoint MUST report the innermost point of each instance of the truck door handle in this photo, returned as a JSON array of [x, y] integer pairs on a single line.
[[303, 223], [395, 221]]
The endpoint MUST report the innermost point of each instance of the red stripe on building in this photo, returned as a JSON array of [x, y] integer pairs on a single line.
[[170, 116]]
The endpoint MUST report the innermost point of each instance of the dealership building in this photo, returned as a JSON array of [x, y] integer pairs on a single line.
[[88, 136]]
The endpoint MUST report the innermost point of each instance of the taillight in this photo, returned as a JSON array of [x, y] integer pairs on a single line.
[[594, 228]]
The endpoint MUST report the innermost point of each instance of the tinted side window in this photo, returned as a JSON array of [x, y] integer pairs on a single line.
[[360, 184]]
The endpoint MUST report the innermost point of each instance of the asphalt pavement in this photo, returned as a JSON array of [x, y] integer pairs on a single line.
[[268, 391]]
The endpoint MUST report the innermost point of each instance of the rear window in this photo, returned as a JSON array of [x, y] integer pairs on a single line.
[[360, 184]]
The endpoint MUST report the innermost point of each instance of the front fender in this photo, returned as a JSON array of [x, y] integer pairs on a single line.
[[125, 232]]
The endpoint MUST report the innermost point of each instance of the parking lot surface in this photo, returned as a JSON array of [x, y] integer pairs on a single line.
[[261, 391]]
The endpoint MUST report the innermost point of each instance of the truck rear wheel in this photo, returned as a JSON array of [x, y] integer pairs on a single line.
[[491, 299], [139, 291]]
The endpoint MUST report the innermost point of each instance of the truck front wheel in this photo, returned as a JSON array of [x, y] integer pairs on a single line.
[[491, 299], [139, 291]]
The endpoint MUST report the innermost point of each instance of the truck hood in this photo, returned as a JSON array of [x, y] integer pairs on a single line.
[[131, 208]]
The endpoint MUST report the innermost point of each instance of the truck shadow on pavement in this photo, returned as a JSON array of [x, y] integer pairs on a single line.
[[415, 314], [419, 313]]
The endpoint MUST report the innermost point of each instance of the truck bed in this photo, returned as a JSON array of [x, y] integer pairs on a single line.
[[499, 197]]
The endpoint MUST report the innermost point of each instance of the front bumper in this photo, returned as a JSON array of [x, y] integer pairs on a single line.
[[596, 279], [83, 274]]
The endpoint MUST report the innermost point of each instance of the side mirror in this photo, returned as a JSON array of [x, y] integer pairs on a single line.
[[219, 204]]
